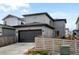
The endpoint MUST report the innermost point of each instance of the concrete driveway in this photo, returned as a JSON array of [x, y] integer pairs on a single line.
[[16, 49]]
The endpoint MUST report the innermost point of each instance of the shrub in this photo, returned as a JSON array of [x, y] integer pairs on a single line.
[[43, 52], [35, 52]]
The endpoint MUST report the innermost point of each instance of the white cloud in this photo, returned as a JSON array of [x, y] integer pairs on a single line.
[[14, 3], [11, 5], [25, 11], [15, 7]]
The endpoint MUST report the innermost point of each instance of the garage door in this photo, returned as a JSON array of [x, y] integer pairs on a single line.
[[28, 35]]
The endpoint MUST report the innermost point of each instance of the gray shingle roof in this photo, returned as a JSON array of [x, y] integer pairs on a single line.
[[39, 14], [46, 15], [60, 20], [6, 26], [33, 24], [11, 16]]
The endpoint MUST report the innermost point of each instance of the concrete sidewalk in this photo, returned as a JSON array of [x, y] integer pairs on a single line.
[[16, 49]]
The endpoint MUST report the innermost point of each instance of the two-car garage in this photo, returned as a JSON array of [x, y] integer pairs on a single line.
[[28, 32], [28, 35]]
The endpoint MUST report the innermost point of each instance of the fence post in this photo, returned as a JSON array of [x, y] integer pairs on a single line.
[[75, 46], [53, 43]]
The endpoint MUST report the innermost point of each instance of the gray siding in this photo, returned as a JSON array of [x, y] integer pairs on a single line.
[[60, 26], [12, 21], [37, 18], [51, 23], [8, 32], [0, 31], [48, 32]]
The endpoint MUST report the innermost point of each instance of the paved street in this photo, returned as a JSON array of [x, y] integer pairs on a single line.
[[16, 49]]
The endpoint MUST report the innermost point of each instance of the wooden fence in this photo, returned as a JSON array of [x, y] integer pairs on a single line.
[[71, 43], [74, 46], [50, 44], [57, 45], [6, 40], [77, 47], [44, 43], [54, 44]]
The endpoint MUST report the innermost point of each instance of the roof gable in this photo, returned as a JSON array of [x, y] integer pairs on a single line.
[[11, 16], [6, 26], [44, 13]]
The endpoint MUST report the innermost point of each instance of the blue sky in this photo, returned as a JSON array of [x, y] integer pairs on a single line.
[[56, 10]]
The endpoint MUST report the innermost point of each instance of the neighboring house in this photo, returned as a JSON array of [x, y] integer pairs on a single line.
[[39, 24], [76, 31], [7, 30], [77, 24], [13, 20]]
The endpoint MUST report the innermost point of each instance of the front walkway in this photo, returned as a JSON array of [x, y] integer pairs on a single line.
[[16, 49]]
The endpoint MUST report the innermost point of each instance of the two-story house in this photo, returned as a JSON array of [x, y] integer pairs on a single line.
[[38, 24]]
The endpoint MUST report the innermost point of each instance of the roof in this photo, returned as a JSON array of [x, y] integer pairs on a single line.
[[36, 14], [11, 16], [6, 26], [46, 15], [77, 20], [75, 30], [39, 14], [60, 20], [33, 24]]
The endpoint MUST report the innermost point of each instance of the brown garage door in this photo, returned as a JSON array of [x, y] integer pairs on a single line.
[[28, 35]]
